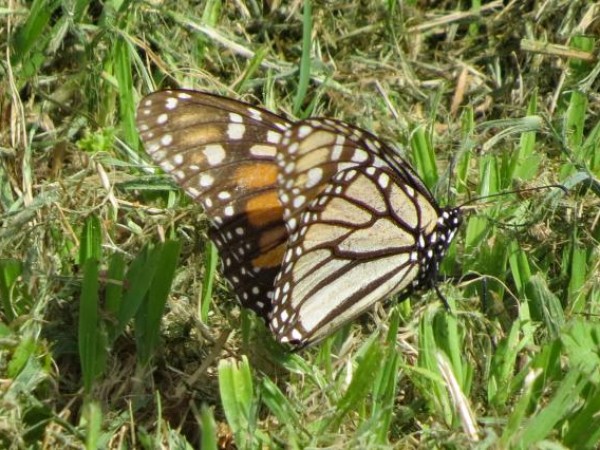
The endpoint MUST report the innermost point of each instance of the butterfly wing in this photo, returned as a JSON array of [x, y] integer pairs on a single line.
[[367, 229], [222, 153]]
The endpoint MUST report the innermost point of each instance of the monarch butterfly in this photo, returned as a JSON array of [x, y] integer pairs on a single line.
[[315, 220]]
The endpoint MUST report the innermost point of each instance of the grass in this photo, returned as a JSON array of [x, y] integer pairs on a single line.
[[117, 330]]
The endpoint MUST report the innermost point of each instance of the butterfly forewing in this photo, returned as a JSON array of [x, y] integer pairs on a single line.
[[222, 152]]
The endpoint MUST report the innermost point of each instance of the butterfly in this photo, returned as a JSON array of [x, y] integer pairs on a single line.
[[315, 220]]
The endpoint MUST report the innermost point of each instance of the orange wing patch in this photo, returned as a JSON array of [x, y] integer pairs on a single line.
[[256, 175], [264, 209], [271, 258]]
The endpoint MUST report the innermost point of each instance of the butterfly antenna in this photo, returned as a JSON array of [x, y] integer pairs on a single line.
[[516, 191], [442, 298]]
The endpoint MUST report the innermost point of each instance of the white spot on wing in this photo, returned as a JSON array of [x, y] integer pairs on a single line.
[[360, 156], [235, 118], [273, 137], [314, 176], [338, 148], [263, 150], [206, 180], [256, 114], [215, 154], [171, 103], [299, 201], [296, 335], [235, 131], [304, 131], [384, 180]]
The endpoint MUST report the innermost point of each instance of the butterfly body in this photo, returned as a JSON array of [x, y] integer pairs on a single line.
[[315, 220]]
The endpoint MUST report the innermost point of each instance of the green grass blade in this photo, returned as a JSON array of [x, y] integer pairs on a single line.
[[93, 424], [424, 157], [235, 386], [89, 330], [114, 284], [91, 240], [211, 259], [209, 429], [122, 61], [575, 121], [519, 266], [251, 68], [544, 305], [362, 380], [519, 410], [10, 271], [578, 274], [584, 427], [305, 60], [280, 406], [503, 366], [525, 161], [432, 387], [31, 34], [541, 425], [138, 280], [147, 320]]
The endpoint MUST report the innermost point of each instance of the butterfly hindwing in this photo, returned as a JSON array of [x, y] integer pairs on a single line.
[[354, 245], [222, 152]]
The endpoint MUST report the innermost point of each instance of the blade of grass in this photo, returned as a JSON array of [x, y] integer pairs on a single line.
[[305, 60], [31, 34], [281, 407], [253, 65], [361, 384], [544, 305], [93, 424], [584, 427], [564, 399], [89, 332], [209, 429], [211, 259], [525, 161], [433, 387], [91, 240], [519, 266], [114, 284], [519, 410], [122, 61], [147, 319], [235, 386], [10, 271], [424, 157], [138, 280]]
